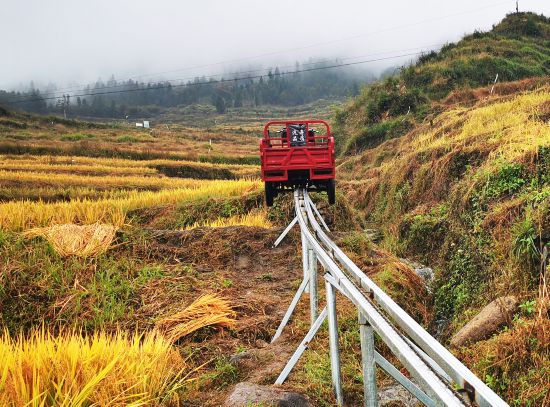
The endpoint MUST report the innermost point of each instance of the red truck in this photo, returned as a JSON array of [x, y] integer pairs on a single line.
[[297, 154]]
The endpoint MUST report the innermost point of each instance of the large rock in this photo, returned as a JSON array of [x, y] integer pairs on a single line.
[[426, 273], [396, 395], [249, 394], [488, 321]]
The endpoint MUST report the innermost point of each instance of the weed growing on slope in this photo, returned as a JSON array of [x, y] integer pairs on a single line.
[[77, 137], [524, 235], [463, 281]]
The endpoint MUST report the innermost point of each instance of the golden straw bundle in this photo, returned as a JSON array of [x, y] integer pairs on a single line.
[[206, 310], [77, 240]]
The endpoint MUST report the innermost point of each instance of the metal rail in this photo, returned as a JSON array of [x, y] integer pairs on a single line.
[[440, 378]]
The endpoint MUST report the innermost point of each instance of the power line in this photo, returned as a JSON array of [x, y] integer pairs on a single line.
[[331, 41], [123, 85], [223, 80], [302, 47]]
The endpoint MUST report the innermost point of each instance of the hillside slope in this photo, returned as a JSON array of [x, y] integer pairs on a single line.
[[516, 48], [462, 184]]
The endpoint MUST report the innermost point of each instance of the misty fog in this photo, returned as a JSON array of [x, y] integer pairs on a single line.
[[73, 42]]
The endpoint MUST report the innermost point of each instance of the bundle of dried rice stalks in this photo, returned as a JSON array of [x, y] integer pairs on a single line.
[[77, 240], [206, 310]]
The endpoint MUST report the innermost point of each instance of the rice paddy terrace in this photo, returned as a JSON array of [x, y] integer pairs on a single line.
[[98, 248], [137, 268], [170, 261]]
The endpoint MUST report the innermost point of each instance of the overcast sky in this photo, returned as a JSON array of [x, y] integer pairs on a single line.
[[76, 41]]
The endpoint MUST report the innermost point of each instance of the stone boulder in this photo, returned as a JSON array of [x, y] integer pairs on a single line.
[[396, 395], [248, 394], [487, 322]]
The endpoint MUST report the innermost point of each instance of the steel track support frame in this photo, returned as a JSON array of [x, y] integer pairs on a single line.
[[402, 380], [305, 246], [333, 344], [302, 347], [313, 289], [290, 309], [285, 232], [366, 334]]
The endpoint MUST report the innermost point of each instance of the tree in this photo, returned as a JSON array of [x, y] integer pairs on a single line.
[[220, 104], [238, 99], [112, 109]]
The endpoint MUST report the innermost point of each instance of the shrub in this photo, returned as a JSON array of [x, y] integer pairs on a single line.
[[393, 99], [424, 234], [127, 139], [13, 124], [77, 137], [525, 235], [507, 180], [460, 283], [375, 134]]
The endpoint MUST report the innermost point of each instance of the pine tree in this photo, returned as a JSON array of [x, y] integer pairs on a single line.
[[220, 104]]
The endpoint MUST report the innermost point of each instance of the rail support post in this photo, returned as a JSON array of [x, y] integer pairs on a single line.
[[305, 260], [305, 245], [333, 342], [366, 334], [313, 292]]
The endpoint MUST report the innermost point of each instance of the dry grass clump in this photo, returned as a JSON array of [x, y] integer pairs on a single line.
[[77, 240], [207, 310], [102, 369], [250, 219]]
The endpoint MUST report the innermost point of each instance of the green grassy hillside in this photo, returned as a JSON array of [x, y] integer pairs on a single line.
[[516, 48], [462, 183]]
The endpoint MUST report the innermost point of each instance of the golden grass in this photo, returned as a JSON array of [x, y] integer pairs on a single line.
[[22, 215], [101, 369], [207, 310], [90, 169], [187, 143], [99, 182], [249, 219], [76, 240], [60, 193], [518, 357], [496, 130], [506, 128], [120, 163], [39, 166]]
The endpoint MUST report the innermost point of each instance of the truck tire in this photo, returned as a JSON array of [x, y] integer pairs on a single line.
[[269, 193], [331, 191]]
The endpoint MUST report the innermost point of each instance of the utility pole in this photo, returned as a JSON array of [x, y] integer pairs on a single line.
[[63, 103], [66, 102], [517, 6]]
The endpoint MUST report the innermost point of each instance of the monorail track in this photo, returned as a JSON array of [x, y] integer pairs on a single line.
[[440, 379]]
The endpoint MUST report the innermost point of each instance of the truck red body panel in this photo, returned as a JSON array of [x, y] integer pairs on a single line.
[[295, 156]]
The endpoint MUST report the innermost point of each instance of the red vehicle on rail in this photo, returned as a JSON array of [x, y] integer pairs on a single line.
[[297, 155]]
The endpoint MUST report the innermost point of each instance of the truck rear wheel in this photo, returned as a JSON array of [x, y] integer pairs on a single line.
[[331, 191], [270, 193]]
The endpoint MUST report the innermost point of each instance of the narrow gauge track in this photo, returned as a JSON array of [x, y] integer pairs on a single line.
[[440, 379]]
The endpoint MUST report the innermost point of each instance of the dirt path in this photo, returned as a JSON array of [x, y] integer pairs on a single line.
[[240, 263]]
